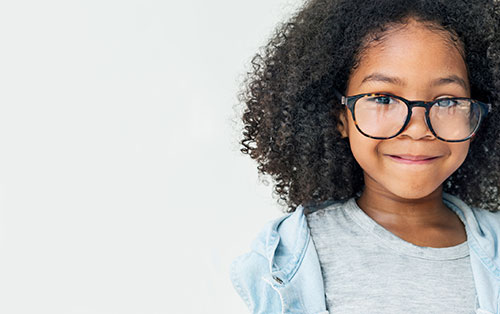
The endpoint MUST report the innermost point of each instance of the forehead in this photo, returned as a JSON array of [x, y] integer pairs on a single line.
[[414, 53]]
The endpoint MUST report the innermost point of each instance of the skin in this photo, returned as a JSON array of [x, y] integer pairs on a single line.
[[406, 199]]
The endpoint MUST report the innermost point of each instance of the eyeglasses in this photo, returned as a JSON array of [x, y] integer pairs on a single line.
[[384, 116]]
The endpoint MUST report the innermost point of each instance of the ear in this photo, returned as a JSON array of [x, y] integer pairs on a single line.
[[343, 126]]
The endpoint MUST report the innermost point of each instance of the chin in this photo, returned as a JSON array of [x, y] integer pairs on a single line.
[[414, 193]]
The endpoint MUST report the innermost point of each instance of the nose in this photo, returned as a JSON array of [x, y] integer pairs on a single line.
[[417, 127]]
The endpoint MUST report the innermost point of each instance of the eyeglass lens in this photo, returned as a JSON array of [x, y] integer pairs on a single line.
[[384, 116]]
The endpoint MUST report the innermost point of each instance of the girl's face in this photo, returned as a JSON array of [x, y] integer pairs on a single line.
[[418, 64]]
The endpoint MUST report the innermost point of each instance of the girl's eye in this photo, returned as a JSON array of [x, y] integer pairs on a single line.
[[382, 100], [446, 102]]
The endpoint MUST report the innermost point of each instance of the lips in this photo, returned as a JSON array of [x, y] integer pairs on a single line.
[[414, 157]]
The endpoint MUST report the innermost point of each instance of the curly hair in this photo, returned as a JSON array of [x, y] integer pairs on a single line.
[[291, 113]]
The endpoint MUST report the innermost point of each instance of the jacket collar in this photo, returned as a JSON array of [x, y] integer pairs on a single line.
[[283, 242], [482, 227]]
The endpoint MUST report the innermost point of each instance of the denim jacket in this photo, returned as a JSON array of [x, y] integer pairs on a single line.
[[282, 273]]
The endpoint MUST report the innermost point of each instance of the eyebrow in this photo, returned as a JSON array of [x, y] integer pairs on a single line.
[[379, 77], [452, 79]]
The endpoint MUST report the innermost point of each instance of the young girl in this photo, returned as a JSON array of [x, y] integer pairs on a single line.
[[379, 122]]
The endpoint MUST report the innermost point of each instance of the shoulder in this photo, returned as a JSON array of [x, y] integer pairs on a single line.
[[486, 236], [281, 250], [477, 219], [483, 229], [245, 273], [251, 273], [488, 221], [326, 212], [264, 245]]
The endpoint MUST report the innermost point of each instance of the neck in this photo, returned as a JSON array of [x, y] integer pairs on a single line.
[[391, 210]]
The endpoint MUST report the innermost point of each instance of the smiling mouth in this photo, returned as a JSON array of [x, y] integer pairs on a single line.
[[410, 159]]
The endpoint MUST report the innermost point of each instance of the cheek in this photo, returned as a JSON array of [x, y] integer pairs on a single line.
[[364, 149], [459, 151]]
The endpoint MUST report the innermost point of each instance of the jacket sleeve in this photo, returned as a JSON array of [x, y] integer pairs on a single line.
[[248, 278]]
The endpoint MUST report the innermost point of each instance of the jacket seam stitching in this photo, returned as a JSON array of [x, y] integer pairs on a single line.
[[492, 267], [281, 299], [236, 282], [300, 258], [498, 303]]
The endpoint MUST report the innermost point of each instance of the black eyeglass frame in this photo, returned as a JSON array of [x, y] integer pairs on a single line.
[[350, 101]]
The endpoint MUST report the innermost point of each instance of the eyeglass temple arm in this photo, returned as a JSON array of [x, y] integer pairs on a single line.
[[339, 96], [489, 105]]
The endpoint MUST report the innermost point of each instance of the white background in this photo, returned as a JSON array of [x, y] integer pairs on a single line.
[[122, 188]]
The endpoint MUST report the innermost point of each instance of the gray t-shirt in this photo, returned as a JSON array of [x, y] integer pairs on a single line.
[[368, 269]]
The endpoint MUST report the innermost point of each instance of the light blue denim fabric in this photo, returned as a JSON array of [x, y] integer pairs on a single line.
[[282, 274]]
